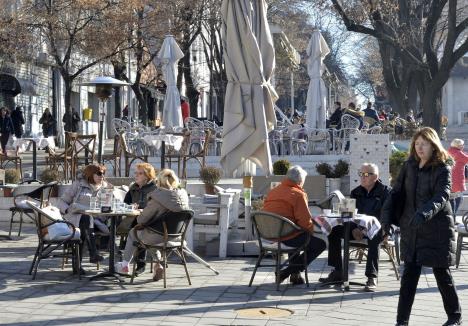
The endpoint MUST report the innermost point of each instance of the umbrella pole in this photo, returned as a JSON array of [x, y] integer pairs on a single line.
[[163, 154], [101, 131]]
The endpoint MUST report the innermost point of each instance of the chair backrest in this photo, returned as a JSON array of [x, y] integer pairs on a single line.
[[123, 142], [270, 226], [348, 121], [45, 216], [374, 130], [465, 221], [40, 194], [117, 151], [172, 224], [121, 126], [84, 146], [326, 203]]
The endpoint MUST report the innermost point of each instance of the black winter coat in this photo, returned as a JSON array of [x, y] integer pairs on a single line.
[[426, 224], [6, 125], [371, 203], [18, 122], [137, 195]]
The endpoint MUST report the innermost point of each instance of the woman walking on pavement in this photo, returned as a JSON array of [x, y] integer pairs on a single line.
[[426, 223], [6, 128]]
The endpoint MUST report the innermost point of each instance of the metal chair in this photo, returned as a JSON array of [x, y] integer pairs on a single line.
[[462, 230], [269, 228], [172, 226], [41, 195], [46, 247]]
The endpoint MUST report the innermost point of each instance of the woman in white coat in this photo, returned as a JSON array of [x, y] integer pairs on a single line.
[[76, 199]]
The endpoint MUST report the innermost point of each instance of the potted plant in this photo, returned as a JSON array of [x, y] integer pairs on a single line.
[[210, 176], [397, 159], [12, 176], [280, 167], [333, 174], [341, 171], [49, 175]]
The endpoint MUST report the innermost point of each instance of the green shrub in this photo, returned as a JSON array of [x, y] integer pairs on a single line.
[[210, 175], [49, 175], [396, 162], [12, 176], [325, 169], [281, 167], [341, 169]]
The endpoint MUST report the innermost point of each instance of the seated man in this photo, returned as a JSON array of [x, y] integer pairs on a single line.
[[370, 196], [290, 200]]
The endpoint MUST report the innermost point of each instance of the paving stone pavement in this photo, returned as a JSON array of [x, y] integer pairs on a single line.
[[58, 298]]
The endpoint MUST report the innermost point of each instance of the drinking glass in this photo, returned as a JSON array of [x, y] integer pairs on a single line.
[[93, 204], [336, 207]]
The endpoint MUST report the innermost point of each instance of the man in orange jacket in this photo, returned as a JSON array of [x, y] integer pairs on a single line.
[[290, 200]]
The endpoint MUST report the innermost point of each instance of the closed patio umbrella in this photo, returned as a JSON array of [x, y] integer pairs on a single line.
[[316, 101], [249, 103], [169, 55]]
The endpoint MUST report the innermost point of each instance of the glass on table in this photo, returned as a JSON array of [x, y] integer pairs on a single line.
[[93, 205], [336, 207]]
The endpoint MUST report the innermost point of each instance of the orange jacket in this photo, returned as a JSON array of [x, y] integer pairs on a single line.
[[290, 200]]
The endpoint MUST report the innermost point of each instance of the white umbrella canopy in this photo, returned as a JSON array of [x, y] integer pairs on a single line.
[[169, 55], [316, 101], [249, 57]]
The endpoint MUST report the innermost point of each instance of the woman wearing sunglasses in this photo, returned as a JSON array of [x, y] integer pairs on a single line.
[[76, 199], [145, 183]]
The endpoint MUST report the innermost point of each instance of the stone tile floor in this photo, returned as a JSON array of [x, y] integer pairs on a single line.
[[58, 298]]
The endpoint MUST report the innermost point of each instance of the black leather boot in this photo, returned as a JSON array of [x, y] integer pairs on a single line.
[[94, 256]]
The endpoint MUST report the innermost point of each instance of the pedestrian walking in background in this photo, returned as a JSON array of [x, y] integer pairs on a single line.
[[6, 128], [18, 121], [458, 173], [422, 192], [185, 107], [70, 120], [48, 123]]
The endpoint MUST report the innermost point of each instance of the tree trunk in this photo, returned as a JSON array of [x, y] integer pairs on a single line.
[[432, 110], [119, 71], [143, 106], [67, 82]]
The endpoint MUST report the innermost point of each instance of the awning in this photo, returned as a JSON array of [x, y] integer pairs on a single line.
[[14, 86]]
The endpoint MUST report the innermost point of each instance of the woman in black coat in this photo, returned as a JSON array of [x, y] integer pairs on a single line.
[[6, 128], [426, 223]]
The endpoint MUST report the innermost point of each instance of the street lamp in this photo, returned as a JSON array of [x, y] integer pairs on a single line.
[[104, 87]]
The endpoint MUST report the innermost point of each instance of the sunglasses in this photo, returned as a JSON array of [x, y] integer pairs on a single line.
[[100, 173], [365, 174]]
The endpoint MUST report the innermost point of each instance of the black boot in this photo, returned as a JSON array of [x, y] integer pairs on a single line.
[[82, 271], [94, 256]]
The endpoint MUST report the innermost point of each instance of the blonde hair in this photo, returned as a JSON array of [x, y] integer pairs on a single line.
[[167, 179], [457, 142], [439, 155], [148, 170]]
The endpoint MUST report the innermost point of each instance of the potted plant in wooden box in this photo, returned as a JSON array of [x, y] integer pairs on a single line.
[[12, 176], [210, 176]]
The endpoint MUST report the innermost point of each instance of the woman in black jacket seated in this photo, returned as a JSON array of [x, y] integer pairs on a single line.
[[426, 223], [144, 184]]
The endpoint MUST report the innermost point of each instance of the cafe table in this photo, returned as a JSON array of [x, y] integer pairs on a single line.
[[112, 216], [370, 226]]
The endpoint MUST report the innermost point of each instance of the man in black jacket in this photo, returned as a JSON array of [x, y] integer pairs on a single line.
[[370, 196], [18, 121], [335, 118]]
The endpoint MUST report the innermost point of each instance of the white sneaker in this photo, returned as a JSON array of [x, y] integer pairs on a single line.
[[122, 268]]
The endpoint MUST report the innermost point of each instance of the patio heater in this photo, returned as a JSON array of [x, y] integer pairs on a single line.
[[104, 87]]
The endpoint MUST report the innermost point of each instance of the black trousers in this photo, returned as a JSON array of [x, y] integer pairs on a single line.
[[4, 140], [409, 283], [314, 249], [335, 258]]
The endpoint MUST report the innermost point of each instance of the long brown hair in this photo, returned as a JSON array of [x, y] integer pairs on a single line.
[[90, 170], [439, 155]]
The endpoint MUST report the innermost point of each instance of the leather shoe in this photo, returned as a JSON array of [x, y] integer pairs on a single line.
[[334, 276], [453, 322]]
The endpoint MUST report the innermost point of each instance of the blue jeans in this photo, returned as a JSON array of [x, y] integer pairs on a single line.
[[456, 204]]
